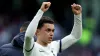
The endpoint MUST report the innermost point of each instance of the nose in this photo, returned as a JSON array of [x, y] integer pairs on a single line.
[[51, 34]]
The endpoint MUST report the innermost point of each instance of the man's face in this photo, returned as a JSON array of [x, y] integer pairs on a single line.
[[46, 33]]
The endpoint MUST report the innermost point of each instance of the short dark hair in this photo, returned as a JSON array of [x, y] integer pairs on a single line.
[[25, 25], [44, 19]]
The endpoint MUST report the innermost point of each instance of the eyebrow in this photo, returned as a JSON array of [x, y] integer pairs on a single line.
[[51, 29]]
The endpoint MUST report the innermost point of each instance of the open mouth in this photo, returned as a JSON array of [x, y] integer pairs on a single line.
[[50, 38]]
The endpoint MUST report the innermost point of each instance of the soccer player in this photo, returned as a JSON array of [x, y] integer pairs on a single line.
[[43, 28]]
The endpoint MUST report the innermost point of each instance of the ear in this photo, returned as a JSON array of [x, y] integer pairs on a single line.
[[21, 30], [37, 32]]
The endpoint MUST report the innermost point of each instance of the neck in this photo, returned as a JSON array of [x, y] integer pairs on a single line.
[[42, 43]]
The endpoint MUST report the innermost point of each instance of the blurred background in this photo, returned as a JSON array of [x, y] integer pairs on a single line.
[[13, 13]]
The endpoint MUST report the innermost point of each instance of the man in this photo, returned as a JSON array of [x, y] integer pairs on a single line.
[[43, 28], [15, 48]]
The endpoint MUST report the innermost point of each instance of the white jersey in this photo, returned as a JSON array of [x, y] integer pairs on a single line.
[[32, 48], [38, 50]]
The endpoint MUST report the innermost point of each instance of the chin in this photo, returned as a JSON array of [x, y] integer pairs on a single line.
[[49, 41]]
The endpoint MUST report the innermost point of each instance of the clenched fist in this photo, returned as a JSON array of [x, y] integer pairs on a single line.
[[45, 6], [76, 8]]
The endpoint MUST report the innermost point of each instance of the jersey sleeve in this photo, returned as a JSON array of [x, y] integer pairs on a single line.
[[75, 33], [30, 32]]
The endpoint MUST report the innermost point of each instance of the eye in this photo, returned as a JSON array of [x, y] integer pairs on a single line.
[[53, 30], [48, 30]]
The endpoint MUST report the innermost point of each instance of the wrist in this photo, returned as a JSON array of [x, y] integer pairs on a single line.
[[40, 10]]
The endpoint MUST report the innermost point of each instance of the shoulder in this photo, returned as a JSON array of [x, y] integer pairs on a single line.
[[55, 42], [6, 45], [3, 49], [9, 50], [20, 34]]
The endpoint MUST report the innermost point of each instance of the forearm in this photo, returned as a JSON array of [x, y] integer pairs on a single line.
[[75, 34], [77, 28], [30, 32]]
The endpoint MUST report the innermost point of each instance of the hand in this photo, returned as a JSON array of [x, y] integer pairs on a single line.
[[76, 8], [45, 6]]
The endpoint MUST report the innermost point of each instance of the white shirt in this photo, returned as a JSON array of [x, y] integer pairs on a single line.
[[32, 48], [38, 50]]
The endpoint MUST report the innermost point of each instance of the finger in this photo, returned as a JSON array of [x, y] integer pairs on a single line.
[[73, 6], [49, 3], [78, 6], [73, 3], [46, 6]]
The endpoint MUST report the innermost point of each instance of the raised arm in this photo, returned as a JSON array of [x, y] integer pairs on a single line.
[[30, 32], [77, 28]]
